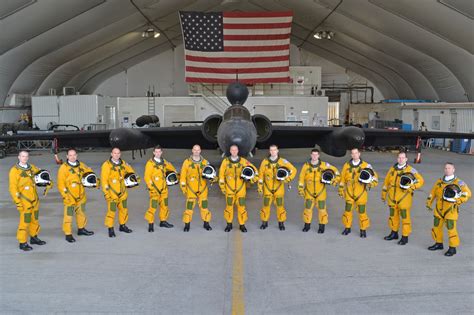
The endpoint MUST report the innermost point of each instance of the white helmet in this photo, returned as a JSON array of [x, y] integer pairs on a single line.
[[282, 173], [131, 180], [248, 173], [327, 176], [171, 178], [89, 179], [451, 193], [366, 176], [42, 178], [406, 180], [209, 172]]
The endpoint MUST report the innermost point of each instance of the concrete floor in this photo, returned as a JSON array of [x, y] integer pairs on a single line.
[[261, 272]]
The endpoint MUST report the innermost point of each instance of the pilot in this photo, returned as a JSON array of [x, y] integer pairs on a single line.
[[400, 183], [157, 170], [357, 178], [274, 173], [314, 177], [116, 176], [73, 176], [194, 176], [23, 179], [235, 174], [450, 192]]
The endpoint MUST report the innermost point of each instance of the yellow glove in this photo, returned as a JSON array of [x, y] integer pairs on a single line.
[[301, 192], [19, 206], [341, 192], [223, 190], [428, 207]]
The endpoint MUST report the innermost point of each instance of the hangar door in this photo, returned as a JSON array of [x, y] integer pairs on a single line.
[[273, 112], [177, 112]]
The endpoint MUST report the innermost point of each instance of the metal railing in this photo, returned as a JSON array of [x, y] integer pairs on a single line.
[[260, 89]]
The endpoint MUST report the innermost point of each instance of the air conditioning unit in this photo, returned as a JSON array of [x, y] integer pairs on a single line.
[[52, 92], [69, 90], [320, 93]]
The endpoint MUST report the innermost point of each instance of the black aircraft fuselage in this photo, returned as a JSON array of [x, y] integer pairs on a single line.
[[238, 127]]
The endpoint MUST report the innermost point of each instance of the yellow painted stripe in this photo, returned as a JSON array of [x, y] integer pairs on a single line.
[[238, 305]]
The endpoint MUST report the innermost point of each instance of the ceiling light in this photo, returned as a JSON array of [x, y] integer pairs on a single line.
[[150, 32], [324, 35]]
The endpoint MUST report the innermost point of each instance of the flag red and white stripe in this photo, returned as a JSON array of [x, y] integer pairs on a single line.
[[256, 48]]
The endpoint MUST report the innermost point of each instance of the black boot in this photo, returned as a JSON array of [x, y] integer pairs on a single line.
[[207, 226], [124, 228], [281, 226], [264, 225], [70, 239], [403, 241], [363, 234], [451, 252], [321, 229], [346, 231], [85, 232], [166, 224], [243, 228], [307, 227], [111, 232], [151, 227], [25, 247], [392, 236], [187, 226], [228, 228], [35, 240], [436, 246]]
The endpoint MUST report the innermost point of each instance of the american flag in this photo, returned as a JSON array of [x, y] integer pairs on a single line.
[[218, 46]]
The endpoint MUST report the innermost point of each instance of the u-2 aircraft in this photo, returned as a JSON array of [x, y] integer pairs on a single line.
[[238, 126]]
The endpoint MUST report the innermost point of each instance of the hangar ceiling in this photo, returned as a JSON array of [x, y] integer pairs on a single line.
[[408, 49]]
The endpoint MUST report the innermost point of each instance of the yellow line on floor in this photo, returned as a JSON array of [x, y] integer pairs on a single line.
[[238, 305]]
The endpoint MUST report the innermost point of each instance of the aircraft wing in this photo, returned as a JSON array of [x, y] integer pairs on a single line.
[[64, 139], [124, 138], [336, 141], [386, 137]]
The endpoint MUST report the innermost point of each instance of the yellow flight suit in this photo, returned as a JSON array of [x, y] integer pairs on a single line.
[[234, 187], [113, 186], [195, 188], [355, 193], [314, 191], [446, 212], [273, 190], [74, 195], [400, 200], [23, 191], [155, 178]]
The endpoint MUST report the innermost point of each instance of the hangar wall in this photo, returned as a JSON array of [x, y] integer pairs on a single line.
[[310, 110], [166, 72], [454, 117]]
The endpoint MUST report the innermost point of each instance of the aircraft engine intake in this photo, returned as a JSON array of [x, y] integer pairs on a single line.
[[263, 125], [210, 126]]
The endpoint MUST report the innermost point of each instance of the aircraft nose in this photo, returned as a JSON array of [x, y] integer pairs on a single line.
[[236, 140]]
